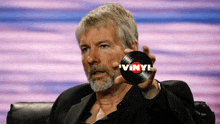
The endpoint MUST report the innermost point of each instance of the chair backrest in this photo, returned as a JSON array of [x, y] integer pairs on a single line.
[[29, 113], [203, 113]]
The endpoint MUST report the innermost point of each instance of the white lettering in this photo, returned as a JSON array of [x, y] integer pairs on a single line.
[[130, 68], [136, 67], [143, 67], [125, 67], [148, 67]]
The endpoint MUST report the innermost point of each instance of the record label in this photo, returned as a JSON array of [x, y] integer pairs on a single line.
[[135, 67]]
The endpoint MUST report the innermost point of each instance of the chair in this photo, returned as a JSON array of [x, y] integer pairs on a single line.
[[29, 113]]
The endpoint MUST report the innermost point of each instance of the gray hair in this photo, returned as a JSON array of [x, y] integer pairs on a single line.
[[112, 13]]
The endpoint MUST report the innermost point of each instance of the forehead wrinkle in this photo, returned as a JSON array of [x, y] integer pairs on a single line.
[[92, 29], [97, 26]]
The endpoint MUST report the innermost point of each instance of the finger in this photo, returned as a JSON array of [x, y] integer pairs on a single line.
[[120, 80], [152, 58], [115, 65], [128, 51], [146, 50], [149, 82], [151, 78]]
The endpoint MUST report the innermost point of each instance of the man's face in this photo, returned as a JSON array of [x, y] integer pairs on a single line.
[[100, 48]]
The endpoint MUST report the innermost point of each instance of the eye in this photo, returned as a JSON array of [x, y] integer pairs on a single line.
[[104, 46], [85, 49]]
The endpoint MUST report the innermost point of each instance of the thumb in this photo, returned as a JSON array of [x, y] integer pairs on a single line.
[[120, 80]]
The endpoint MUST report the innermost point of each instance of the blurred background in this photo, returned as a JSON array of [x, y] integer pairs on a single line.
[[40, 58]]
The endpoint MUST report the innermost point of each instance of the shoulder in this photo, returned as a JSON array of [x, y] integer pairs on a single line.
[[180, 94], [74, 94], [180, 89], [66, 99], [79, 90]]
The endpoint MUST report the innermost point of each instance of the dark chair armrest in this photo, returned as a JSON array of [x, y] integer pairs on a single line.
[[29, 113]]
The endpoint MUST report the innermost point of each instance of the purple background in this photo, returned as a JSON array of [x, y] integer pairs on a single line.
[[39, 56]]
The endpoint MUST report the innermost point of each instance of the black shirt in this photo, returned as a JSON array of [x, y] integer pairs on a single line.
[[135, 109]]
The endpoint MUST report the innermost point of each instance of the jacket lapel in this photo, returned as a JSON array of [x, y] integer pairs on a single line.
[[76, 110]]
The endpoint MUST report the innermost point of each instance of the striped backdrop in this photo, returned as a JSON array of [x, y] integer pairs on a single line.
[[40, 58]]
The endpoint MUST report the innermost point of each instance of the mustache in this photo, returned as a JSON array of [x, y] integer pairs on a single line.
[[97, 67]]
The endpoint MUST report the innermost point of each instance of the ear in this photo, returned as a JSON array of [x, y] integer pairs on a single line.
[[135, 46]]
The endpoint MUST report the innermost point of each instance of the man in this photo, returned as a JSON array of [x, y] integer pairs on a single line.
[[105, 35]]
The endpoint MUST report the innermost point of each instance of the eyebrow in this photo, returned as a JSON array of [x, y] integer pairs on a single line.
[[103, 41], [82, 45], [99, 42]]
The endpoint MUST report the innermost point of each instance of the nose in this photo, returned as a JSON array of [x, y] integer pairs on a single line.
[[93, 57]]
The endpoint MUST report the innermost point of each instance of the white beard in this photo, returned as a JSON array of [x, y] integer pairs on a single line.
[[99, 84]]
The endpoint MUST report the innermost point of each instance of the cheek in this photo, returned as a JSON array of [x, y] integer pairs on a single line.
[[85, 65], [116, 57]]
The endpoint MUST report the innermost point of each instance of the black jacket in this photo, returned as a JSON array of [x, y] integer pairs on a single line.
[[175, 96]]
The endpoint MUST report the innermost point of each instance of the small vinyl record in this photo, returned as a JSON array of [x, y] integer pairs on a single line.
[[135, 67]]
